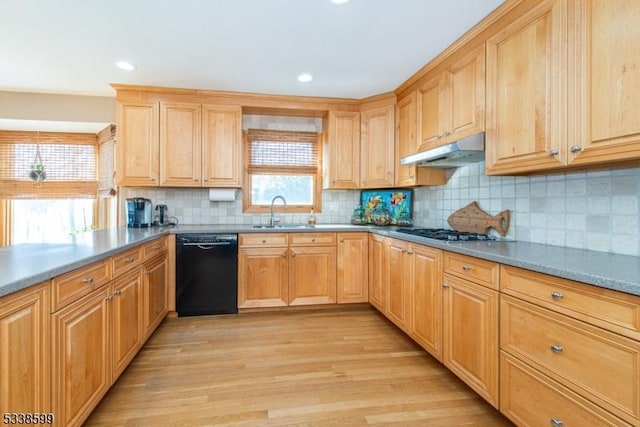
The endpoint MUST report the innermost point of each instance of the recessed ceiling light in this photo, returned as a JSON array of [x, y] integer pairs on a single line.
[[340, 1], [124, 65], [305, 78]]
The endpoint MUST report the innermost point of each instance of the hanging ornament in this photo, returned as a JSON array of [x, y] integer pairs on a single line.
[[37, 172]]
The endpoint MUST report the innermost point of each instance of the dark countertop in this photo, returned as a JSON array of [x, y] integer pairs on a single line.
[[25, 265]]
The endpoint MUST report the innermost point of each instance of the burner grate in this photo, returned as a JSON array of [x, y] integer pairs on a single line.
[[444, 234]]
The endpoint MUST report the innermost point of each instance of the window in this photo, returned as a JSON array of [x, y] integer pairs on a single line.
[[50, 220], [61, 204], [282, 163]]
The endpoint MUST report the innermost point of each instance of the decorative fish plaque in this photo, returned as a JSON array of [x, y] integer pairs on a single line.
[[474, 220]]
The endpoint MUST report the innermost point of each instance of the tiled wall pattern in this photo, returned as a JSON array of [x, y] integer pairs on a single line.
[[596, 210], [192, 206]]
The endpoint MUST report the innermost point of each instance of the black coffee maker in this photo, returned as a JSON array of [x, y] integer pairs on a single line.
[[138, 212]]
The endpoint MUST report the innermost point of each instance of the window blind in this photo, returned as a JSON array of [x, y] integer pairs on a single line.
[[69, 159], [282, 151]]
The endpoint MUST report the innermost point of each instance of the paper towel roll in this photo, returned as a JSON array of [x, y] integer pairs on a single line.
[[222, 194]]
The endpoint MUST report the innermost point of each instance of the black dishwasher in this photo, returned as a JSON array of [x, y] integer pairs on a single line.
[[206, 274]]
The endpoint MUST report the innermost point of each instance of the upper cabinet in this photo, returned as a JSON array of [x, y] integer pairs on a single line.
[[176, 144], [451, 103], [342, 150], [221, 146], [137, 134], [377, 145], [562, 87], [180, 144], [526, 77], [604, 107], [407, 143]]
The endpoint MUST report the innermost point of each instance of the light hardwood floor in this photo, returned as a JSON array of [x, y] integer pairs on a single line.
[[303, 368]]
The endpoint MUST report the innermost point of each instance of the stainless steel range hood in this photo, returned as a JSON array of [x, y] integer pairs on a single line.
[[459, 153]]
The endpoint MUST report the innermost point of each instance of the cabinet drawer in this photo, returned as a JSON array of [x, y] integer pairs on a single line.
[[77, 283], [156, 247], [263, 240], [125, 261], [603, 307], [477, 270], [599, 365], [312, 239], [529, 398]]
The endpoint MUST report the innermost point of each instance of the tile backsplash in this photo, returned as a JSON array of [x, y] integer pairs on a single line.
[[589, 210], [596, 210]]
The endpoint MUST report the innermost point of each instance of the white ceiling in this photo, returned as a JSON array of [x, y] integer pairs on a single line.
[[359, 49]]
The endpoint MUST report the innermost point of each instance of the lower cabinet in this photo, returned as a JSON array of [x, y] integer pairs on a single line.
[[95, 336], [291, 269], [353, 268], [398, 288], [82, 355], [377, 271], [470, 322], [25, 385], [154, 294], [312, 275]]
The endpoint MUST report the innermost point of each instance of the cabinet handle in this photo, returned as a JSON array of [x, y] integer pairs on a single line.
[[284, 254], [554, 152], [466, 267], [156, 247], [118, 292], [129, 260], [88, 280], [264, 241], [108, 298], [447, 133], [575, 149], [557, 422], [446, 285], [410, 252], [557, 348], [293, 254], [556, 295], [205, 180], [147, 272], [404, 250], [341, 240], [439, 136], [313, 240]]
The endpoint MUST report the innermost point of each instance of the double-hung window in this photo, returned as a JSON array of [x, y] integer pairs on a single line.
[[282, 163]]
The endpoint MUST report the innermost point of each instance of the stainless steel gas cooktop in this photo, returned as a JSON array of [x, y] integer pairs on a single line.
[[447, 235]]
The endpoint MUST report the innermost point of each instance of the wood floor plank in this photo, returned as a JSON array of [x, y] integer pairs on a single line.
[[304, 368]]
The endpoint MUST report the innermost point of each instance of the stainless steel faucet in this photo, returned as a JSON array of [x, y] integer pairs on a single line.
[[273, 221]]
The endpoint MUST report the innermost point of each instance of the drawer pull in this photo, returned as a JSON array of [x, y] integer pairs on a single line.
[[313, 240], [118, 292], [157, 247], [556, 348], [264, 241], [466, 267], [446, 285], [557, 422], [129, 260], [108, 298], [88, 280], [556, 295]]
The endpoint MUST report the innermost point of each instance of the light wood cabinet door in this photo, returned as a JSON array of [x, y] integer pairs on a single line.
[[377, 159], [526, 106], [407, 143], [127, 319], [470, 341], [431, 108], [342, 150], [377, 271], [426, 305], [154, 294], [353, 267], [605, 106], [25, 377], [398, 293], [221, 146], [312, 275], [81, 336], [137, 147], [180, 144], [263, 276], [466, 96]]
